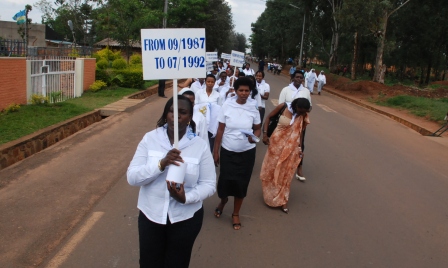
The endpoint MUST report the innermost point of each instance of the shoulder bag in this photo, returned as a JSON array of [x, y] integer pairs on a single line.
[[273, 121]]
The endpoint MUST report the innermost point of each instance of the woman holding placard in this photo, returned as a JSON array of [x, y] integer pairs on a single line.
[[171, 213], [237, 154]]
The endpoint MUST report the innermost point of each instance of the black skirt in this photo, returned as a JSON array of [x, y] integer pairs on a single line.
[[235, 172]]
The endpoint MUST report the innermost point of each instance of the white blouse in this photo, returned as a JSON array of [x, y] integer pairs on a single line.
[[203, 97], [154, 200], [262, 88], [237, 119]]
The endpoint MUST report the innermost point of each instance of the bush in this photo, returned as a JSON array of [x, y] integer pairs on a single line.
[[96, 56], [119, 64], [136, 59], [38, 99], [102, 64], [97, 85], [103, 75], [131, 78], [106, 54], [14, 107]]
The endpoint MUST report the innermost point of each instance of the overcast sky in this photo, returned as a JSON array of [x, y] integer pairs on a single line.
[[244, 12]]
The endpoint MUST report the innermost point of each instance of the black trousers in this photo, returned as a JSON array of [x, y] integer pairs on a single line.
[[170, 245], [161, 87], [261, 110], [211, 141]]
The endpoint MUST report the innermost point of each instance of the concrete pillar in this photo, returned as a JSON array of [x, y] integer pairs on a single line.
[[79, 77]]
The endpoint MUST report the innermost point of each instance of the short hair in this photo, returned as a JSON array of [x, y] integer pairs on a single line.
[[210, 75], [241, 74], [262, 73], [243, 81], [188, 92], [300, 103], [297, 72]]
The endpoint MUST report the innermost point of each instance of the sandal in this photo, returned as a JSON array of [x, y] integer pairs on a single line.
[[236, 226], [284, 209], [218, 211]]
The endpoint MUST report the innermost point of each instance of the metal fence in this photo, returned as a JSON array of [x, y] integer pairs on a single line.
[[53, 77], [16, 48], [12, 48]]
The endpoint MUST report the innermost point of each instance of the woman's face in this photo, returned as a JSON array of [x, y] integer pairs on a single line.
[[247, 66], [243, 93], [237, 72], [298, 79], [259, 77], [184, 116], [223, 76], [209, 82]]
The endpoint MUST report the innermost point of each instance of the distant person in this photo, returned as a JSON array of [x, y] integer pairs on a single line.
[[311, 80], [171, 214], [199, 117], [261, 65], [263, 89], [247, 70], [161, 89], [292, 71], [322, 80]]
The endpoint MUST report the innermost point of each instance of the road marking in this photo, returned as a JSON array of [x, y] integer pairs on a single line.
[[274, 102], [64, 253], [326, 108]]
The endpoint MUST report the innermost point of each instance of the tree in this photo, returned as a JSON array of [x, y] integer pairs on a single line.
[[387, 9]]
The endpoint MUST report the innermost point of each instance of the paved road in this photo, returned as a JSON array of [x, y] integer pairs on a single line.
[[375, 196]]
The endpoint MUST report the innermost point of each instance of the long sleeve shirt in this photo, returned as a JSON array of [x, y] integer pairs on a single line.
[[154, 200]]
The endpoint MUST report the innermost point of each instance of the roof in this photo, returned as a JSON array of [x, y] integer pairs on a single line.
[[112, 43]]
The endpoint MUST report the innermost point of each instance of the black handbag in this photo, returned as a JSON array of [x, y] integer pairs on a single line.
[[273, 121]]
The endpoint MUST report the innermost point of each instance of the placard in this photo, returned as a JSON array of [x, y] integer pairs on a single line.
[[211, 56], [209, 66], [225, 56], [173, 53], [237, 58]]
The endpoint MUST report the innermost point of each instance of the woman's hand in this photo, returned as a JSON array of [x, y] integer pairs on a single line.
[[249, 138], [216, 158], [178, 193], [171, 157], [266, 139]]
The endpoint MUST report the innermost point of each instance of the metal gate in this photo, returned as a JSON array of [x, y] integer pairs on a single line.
[[53, 77]]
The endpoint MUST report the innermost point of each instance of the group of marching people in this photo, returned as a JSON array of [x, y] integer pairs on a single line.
[[219, 123]]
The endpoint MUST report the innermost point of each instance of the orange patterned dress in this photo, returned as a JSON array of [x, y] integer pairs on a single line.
[[281, 160]]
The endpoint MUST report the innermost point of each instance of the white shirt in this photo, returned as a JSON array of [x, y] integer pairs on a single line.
[[201, 124], [322, 78], [222, 88], [288, 94], [262, 88], [154, 200], [202, 97], [196, 86], [236, 119], [248, 72]]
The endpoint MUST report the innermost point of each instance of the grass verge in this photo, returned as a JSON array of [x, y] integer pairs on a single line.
[[31, 118], [432, 109]]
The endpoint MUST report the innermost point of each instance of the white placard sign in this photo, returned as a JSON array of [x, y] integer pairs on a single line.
[[209, 66], [237, 58], [225, 56], [211, 56], [173, 53]]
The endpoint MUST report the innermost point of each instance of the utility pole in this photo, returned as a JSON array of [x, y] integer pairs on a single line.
[[161, 89], [165, 11], [303, 33]]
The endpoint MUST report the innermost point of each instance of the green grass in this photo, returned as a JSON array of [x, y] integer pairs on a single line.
[[433, 109], [31, 118], [150, 83]]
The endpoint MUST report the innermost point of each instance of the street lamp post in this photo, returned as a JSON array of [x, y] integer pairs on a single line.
[[303, 33]]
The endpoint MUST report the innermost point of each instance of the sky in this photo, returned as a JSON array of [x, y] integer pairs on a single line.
[[244, 12]]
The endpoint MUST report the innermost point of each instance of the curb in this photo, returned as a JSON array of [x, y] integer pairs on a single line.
[[419, 129], [17, 150]]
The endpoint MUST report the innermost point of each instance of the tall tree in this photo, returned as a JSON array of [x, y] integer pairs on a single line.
[[387, 8]]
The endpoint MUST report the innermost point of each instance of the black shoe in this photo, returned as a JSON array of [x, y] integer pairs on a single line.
[[163, 96]]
